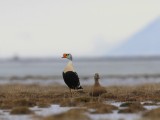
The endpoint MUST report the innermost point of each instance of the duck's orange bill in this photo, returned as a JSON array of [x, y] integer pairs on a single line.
[[64, 56]]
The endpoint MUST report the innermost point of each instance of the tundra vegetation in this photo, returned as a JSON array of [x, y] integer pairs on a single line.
[[18, 99]]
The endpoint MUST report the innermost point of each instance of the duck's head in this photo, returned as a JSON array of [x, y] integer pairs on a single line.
[[96, 76], [67, 55]]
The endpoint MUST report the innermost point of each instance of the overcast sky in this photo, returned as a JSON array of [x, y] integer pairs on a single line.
[[81, 27]]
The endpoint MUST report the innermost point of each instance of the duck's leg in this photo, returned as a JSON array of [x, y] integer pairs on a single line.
[[75, 92], [70, 92]]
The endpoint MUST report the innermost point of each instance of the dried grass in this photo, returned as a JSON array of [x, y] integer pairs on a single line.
[[73, 114]]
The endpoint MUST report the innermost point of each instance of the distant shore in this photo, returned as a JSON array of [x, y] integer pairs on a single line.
[[55, 77], [102, 58]]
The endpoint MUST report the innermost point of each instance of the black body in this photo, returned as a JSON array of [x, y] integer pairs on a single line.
[[72, 80]]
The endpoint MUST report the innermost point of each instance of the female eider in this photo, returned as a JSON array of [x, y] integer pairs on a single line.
[[97, 89], [69, 75]]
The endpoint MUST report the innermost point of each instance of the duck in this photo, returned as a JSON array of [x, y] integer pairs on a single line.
[[70, 77], [97, 89]]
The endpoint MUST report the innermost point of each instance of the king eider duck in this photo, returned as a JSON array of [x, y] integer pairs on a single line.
[[97, 89], [69, 75]]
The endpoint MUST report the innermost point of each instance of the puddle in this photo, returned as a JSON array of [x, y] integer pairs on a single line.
[[117, 104], [56, 109], [114, 116]]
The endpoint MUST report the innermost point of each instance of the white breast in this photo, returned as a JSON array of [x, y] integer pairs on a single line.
[[69, 67]]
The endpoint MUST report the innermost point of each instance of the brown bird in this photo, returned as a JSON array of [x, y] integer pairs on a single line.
[[97, 89]]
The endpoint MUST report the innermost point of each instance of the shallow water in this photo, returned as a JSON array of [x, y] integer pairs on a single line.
[[114, 116], [83, 68], [103, 82], [116, 72], [53, 109], [56, 109]]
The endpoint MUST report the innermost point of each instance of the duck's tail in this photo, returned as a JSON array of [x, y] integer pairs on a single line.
[[79, 87]]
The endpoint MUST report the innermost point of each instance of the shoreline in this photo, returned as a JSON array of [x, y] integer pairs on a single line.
[[85, 77]]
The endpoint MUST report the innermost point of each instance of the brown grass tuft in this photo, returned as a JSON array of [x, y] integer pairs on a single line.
[[83, 99], [43, 105], [152, 114], [126, 104], [21, 110], [101, 107], [73, 114], [5, 106], [24, 102], [134, 107], [68, 102]]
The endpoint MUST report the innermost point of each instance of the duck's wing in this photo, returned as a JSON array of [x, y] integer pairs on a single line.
[[72, 80]]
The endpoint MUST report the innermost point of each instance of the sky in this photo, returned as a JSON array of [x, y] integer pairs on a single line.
[[41, 28]]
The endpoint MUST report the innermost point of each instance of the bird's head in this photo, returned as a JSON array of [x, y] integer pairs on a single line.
[[68, 56], [96, 76]]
